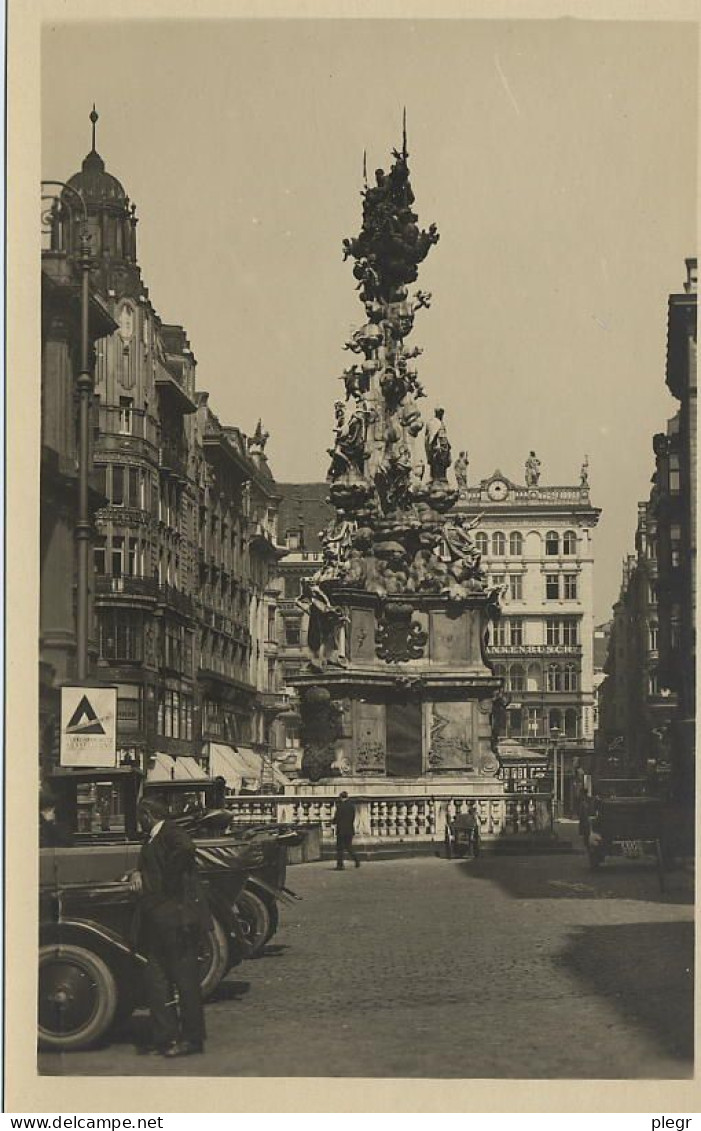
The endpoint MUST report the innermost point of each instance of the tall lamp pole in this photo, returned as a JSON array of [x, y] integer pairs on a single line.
[[84, 386]]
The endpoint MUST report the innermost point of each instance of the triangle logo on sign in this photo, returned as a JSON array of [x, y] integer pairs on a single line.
[[84, 720]]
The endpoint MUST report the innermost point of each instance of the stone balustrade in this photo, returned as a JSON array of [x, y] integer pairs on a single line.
[[404, 818]]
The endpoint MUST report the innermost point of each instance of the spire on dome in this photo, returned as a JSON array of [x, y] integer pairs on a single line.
[[93, 118]]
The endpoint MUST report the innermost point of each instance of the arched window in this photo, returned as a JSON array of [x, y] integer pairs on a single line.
[[535, 677], [569, 542], [517, 678], [552, 543], [500, 671], [515, 544], [570, 679], [498, 544], [571, 723], [481, 543], [554, 678]]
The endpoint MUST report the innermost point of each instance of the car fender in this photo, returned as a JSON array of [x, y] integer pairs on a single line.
[[268, 893], [95, 936]]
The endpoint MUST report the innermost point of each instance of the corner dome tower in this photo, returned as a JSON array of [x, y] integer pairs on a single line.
[[111, 218]]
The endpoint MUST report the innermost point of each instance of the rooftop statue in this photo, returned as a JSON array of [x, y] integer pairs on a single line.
[[532, 470]]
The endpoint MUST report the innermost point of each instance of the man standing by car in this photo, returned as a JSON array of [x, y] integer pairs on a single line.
[[344, 820], [172, 916]]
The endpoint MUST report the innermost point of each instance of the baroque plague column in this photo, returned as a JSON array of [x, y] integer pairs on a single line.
[[398, 685]]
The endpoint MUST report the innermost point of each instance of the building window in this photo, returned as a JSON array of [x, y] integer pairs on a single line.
[[533, 722], [515, 544], [498, 544], [481, 543], [571, 722], [552, 587], [651, 593], [175, 712], [552, 631], [499, 634], [500, 671], [173, 646], [516, 587], [121, 635], [675, 534], [293, 633], [128, 708], [272, 628], [653, 633], [555, 722], [652, 548], [133, 558], [126, 406], [117, 555], [498, 580], [569, 680], [517, 678], [653, 684], [674, 476], [554, 678], [117, 498], [552, 544], [569, 631], [570, 586], [569, 542], [516, 632], [99, 556], [535, 678]]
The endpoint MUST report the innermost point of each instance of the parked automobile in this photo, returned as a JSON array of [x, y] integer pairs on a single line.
[[629, 827], [98, 807], [198, 807], [91, 974]]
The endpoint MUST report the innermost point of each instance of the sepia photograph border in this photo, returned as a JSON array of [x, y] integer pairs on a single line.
[[25, 1090]]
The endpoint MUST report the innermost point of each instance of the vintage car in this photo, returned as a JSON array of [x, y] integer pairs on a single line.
[[198, 806], [90, 972], [629, 827], [98, 809]]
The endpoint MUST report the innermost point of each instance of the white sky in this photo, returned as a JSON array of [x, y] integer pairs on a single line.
[[558, 159]]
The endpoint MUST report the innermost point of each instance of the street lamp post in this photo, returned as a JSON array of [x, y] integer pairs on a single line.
[[84, 386], [554, 733]]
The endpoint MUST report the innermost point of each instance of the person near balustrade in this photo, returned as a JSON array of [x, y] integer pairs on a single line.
[[344, 820]]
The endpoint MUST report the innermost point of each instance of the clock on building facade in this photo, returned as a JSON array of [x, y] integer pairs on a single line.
[[497, 490]]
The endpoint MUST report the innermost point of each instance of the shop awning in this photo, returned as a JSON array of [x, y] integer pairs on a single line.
[[241, 768], [166, 768]]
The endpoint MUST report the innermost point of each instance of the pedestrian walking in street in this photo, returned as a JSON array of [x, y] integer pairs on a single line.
[[344, 820], [172, 915]]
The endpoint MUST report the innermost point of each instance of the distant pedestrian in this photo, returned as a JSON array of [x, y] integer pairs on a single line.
[[172, 916], [344, 820]]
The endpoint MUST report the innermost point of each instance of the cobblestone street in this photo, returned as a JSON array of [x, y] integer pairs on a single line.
[[502, 967]]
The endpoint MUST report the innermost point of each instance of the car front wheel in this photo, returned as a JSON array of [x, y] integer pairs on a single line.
[[77, 997]]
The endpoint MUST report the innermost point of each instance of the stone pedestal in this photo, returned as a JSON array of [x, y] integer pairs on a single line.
[[412, 703]]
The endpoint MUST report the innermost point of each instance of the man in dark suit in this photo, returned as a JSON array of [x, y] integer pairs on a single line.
[[344, 820], [172, 916]]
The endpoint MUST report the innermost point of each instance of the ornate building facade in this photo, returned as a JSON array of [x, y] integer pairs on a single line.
[[184, 542], [537, 547], [648, 697]]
